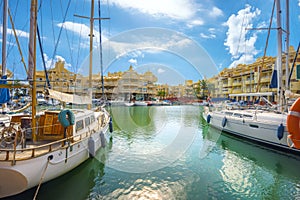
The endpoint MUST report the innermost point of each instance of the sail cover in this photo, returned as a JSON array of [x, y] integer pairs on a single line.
[[4, 92], [70, 98]]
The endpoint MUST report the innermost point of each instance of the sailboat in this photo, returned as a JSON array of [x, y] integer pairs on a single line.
[[269, 126], [41, 147]]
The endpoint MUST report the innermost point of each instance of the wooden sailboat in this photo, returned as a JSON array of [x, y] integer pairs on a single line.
[[38, 148], [267, 126]]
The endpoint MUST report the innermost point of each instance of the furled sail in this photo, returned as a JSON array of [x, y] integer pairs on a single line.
[[70, 98]]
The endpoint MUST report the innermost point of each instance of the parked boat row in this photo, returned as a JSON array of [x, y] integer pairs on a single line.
[[139, 103]]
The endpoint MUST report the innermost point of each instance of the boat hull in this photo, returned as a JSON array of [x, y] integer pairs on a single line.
[[262, 131], [28, 173]]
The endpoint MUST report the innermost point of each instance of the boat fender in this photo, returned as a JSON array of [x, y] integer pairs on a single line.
[[280, 131], [64, 120], [293, 123], [91, 146], [110, 125], [208, 118], [102, 139], [224, 121]]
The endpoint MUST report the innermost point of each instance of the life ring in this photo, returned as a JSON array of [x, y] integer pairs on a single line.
[[64, 120], [208, 118], [224, 122], [293, 123]]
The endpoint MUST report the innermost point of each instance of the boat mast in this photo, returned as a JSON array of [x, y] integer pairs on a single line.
[[91, 51], [31, 76], [279, 56], [287, 48], [4, 33], [91, 18]]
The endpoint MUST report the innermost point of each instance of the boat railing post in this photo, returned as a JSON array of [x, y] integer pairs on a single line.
[[15, 148]]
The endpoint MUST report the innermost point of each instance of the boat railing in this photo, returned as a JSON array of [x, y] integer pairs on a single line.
[[18, 154]]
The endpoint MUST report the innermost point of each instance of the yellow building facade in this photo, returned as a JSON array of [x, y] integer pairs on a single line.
[[245, 78], [116, 85], [230, 81], [59, 77]]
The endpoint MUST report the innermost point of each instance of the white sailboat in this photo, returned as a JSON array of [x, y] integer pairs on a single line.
[[266, 126], [42, 147]]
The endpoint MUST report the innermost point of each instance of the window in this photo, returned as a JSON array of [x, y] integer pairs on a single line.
[[247, 116], [228, 113], [92, 118], [237, 115], [87, 121], [79, 125]]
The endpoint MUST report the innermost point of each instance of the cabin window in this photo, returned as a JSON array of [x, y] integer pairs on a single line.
[[247, 116], [92, 118], [79, 125], [237, 115], [228, 113], [87, 121]]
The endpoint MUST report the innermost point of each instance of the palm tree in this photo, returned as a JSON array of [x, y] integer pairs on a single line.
[[161, 93], [204, 88]]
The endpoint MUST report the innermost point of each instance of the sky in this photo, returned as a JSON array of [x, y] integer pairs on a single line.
[[177, 40]]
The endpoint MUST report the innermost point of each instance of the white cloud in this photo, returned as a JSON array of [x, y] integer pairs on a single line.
[[196, 22], [216, 12], [160, 71], [238, 45], [245, 58], [83, 31], [176, 9], [8, 43], [20, 33], [80, 29], [136, 54], [132, 61], [207, 36], [211, 34], [191, 12], [50, 63]]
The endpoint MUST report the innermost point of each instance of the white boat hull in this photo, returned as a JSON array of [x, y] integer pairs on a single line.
[[141, 103], [31, 171], [129, 104], [263, 129]]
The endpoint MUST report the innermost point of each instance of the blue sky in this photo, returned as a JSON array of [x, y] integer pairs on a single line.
[[175, 39]]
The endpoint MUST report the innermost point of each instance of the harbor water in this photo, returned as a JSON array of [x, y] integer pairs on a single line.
[[169, 152]]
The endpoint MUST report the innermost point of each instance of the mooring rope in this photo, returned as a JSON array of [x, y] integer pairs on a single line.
[[41, 180]]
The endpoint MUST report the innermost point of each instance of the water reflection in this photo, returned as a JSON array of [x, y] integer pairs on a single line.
[[253, 171], [167, 134]]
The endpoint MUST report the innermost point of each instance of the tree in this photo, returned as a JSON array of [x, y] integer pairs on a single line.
[[204, 88], [161, 93]]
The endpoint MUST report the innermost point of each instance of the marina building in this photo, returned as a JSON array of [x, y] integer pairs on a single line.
[[125, 85], [255, 77]]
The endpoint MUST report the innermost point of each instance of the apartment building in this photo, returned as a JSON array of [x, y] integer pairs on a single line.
[[252, 78], [128, 84]]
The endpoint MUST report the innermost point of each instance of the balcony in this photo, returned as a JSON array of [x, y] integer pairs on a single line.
[[265, 79], [237, 83], [265, 89], [237, 91]]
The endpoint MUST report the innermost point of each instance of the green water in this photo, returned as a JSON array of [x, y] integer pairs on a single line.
[[170, 153]]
